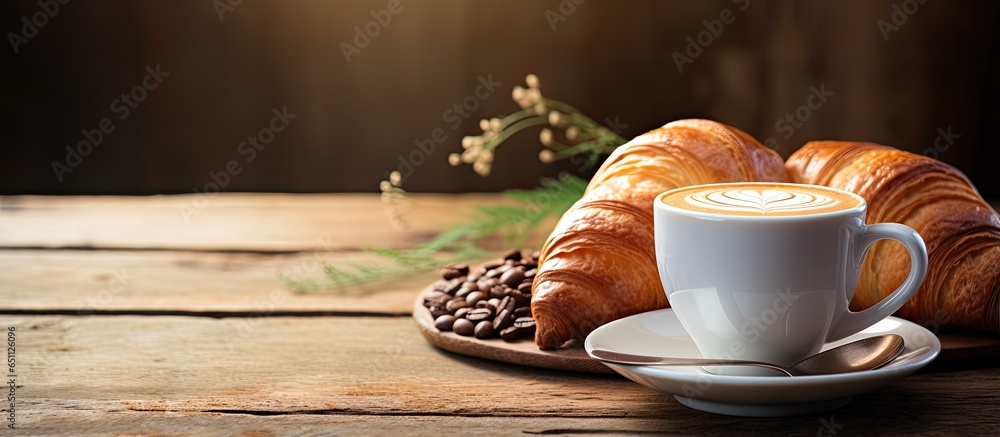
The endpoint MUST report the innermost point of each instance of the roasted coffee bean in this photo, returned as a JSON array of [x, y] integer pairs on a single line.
[[499, 291], [503, 320], [484, 329], [525, 323], [444, 299], [486, 284], [474, 297], [520, 299], [511, 333], [476, 274], [463, 327], [463, 292], [514, 254], [494, 302], [498, 272], [445, 322], [434, 297], [512, 277], [443, 304], [455, 270], [503, 304], [490, 300], [479, 314], [456, 303], [452, 286], [493, 264], [511, 305]]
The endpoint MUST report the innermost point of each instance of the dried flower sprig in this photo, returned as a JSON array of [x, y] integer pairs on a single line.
[[512, 223], [394, 200], [584, 136]]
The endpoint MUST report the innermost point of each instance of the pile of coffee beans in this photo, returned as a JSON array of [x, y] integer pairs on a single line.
[[493, 300]]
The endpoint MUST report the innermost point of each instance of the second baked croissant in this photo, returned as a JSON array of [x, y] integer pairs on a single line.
[[599, 263], [962, 232]]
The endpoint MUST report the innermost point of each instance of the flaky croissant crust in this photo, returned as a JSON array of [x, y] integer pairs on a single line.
[[599, 263], [961, 230]]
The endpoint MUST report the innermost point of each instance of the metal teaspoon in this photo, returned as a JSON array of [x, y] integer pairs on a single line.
[[865, 354]]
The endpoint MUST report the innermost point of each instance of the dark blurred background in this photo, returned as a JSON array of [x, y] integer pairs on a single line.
[[900, 72]]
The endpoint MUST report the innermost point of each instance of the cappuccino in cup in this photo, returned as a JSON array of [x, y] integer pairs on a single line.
[[766, 271]]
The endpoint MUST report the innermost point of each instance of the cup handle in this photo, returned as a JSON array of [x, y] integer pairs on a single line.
[[854, 322]]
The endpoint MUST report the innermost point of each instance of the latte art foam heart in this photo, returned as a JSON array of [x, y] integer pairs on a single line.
[[760, 199], [763, 202]]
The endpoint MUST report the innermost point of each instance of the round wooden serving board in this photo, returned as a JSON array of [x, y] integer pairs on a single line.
[[523, 351]]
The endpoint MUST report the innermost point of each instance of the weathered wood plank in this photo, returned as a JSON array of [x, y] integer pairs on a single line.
[[131, 423], [86, 423], [355, 365], [96, 371], [189, 281], [88, 281], [253, 222]]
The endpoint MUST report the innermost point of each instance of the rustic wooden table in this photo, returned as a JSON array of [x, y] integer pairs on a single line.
[[165, 316]]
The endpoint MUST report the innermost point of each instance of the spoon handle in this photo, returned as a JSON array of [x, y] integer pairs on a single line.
[[642, 360]]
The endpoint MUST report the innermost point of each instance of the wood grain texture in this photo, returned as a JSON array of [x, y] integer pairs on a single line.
[[342, 365], [850, 420], [99, 280], [85, 423], [352, 375], [231, 221]]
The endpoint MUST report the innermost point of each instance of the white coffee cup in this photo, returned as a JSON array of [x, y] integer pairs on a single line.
[[766, 271]]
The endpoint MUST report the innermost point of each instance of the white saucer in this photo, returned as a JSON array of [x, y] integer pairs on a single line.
[[660, 333]]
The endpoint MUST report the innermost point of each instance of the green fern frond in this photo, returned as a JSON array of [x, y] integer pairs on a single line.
[[513, 224]]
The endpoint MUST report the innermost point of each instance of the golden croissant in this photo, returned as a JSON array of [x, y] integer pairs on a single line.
[[961, 231], [599, 263]]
